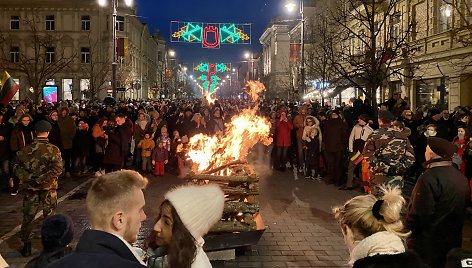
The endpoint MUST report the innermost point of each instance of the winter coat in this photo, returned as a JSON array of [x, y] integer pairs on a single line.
[[45, 258], [160, 154], [282, 130], [147, 145], [20, 137], [335, 135], [115, 150], [54, 136], [359, 133], [82, 143], [299, 124], [5, 132], [98, 249], [408, 259], [68, 130], [139, 132], [436, 212]]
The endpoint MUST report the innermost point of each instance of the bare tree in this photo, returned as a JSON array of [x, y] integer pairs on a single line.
[[96, 66], [44, 54], [318, 65], [370, 43]]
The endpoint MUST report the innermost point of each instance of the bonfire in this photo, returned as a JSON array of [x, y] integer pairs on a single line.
[[219, 153]]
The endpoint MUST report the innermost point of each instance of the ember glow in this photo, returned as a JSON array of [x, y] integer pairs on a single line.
[[241, 134]]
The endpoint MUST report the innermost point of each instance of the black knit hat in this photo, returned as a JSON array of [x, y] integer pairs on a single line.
[[442, 147], [57, 232], [42, 126]]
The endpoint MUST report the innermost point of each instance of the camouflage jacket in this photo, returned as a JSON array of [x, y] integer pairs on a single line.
[[38, 165], [388, 152]]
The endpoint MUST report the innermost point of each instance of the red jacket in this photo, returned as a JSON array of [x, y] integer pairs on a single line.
[[282, 130]]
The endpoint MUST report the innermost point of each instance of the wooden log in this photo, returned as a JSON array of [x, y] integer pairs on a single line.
[[238, 191], [211, 171], [232, 226], [237, 207], [223, 178]]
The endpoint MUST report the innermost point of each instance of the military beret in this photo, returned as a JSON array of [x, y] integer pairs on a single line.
[[43, 126], [386, 115], [442, 147]]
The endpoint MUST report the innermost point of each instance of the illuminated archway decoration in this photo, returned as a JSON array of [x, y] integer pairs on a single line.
[[211, 35], [209, 78]]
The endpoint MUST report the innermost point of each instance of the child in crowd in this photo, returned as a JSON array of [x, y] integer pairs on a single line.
[[165, 138], [146, 145], [160, 157]]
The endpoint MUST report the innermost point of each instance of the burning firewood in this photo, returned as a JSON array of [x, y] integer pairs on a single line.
[[238, 207]]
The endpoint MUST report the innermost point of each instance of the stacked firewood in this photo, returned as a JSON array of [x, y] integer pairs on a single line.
[[241, 190]]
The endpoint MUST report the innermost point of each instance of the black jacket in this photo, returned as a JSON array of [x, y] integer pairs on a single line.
[[403, 260], [436, 212], [97, 249]]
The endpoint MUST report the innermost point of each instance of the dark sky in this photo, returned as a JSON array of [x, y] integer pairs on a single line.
[[159, 13]]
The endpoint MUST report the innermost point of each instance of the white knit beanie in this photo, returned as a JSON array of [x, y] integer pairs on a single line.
[[199, 207]]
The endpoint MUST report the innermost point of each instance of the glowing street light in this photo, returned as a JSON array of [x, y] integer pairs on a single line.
[[171, 53], [290, 5]]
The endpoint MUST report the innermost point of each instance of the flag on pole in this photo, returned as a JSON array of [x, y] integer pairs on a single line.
[[9, 88]]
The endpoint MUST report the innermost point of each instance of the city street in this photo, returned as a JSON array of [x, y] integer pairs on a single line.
[[300, 229]]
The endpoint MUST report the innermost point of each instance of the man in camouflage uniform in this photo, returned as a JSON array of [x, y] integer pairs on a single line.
[[38, 167], [389, 154]]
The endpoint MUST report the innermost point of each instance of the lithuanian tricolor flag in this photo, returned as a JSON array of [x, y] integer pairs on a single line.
[[9, 88]]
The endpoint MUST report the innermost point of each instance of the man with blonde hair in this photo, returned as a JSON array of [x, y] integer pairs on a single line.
[[115, 209]]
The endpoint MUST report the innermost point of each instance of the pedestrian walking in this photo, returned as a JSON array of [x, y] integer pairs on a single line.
[[38, 166]]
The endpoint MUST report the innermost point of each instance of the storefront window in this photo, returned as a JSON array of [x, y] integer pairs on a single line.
[[84, 87], [429, 92], [67, 89]]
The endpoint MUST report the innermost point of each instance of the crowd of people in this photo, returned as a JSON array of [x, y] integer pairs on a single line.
[[352, 146]]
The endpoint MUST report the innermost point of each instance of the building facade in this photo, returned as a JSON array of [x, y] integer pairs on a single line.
[[70, 43], [276, 73]]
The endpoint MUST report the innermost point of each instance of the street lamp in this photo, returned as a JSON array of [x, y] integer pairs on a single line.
[[114, 3], [290, 5], [250, 58]]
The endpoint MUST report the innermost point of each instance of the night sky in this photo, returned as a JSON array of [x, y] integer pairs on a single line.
[[159, 13]]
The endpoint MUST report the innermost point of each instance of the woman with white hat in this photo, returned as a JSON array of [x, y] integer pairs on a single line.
[[186, 215]]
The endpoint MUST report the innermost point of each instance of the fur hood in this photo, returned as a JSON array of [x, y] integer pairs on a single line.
[[317, 122]]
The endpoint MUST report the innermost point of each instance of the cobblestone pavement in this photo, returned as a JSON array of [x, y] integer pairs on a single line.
[[300, 229]]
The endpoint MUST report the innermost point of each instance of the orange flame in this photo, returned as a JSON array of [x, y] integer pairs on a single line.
[[255, 88], [241, 134]]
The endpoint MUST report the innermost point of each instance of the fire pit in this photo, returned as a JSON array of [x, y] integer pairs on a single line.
[[241, 224], [221, 159]]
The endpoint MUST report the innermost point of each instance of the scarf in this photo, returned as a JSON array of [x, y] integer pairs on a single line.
[[380, 243]]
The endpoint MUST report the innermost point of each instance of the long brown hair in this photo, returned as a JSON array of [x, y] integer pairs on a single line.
[[182, 248]]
